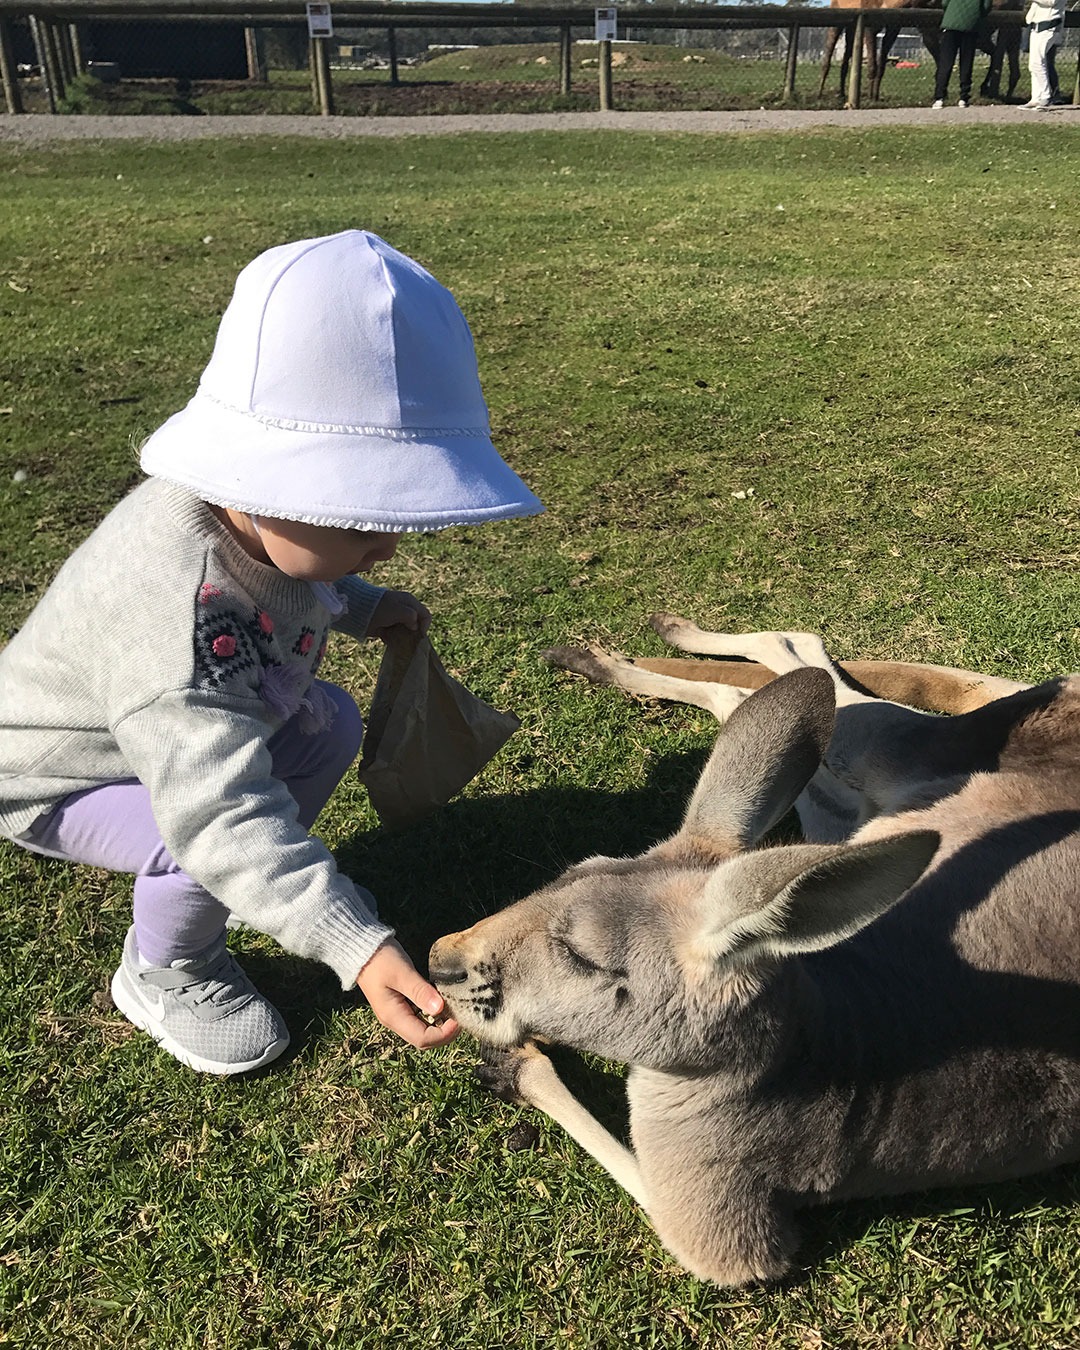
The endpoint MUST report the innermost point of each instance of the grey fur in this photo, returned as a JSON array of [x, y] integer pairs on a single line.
[[872, 1012]]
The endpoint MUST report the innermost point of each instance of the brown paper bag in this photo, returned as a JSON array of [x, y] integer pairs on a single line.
[[426, 735]]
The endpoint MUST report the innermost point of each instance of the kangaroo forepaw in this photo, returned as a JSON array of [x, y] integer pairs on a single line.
[[501, 1070]]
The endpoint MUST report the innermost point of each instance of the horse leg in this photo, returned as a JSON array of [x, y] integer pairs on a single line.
[[845, 64], [1012, 51], [826, 61], [888, 37], [870, 47], [991, 85]]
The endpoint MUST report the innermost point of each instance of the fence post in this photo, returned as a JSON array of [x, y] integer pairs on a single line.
[[41, 55], [9, 71], [565, 50], [256, 66], [391, 45], [792, 60], [605, 74], [1076, 85], [51, 32], [313, 71], [322, 75], [78, 57], [854, 89], [64, 55]]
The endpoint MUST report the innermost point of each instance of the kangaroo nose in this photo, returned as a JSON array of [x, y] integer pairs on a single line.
[[444, 977], [444, 966]]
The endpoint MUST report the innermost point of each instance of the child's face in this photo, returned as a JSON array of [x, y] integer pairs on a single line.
[[320, 552]]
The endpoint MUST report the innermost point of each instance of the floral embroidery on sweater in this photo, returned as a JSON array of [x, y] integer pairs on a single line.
[[224, 648], [306, 643], [231, 646]]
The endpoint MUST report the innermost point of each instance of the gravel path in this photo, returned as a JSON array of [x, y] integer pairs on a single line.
[[35, 129]]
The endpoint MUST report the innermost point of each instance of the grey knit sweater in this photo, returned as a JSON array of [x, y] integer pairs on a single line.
[[162, 651]]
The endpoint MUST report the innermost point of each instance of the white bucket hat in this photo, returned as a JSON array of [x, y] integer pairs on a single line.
[[342, 390]]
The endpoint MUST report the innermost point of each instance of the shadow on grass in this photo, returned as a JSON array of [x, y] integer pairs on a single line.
[[471, 858], [478, 855]]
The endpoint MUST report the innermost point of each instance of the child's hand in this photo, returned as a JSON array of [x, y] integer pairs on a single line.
[[399, 607], [395, 990]]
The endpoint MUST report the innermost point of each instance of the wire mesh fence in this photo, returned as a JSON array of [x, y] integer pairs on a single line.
[[122, 64]]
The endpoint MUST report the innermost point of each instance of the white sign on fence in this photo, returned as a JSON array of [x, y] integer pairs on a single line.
[[605, 24], [319, 22]]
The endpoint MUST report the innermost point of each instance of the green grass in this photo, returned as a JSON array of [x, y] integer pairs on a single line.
[[889, 362], [508, 78]]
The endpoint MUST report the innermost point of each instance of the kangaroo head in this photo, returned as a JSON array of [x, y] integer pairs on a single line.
[[639, 959]]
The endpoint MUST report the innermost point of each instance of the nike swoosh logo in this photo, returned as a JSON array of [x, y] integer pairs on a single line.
[[154, 1002]]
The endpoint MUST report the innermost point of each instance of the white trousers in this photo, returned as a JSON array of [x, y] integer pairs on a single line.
[[1040, 75]]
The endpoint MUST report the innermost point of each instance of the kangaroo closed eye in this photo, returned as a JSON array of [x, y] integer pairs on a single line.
[[582, 962]]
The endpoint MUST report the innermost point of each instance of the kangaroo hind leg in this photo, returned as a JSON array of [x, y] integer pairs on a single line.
[[606, 668], [780, 652]]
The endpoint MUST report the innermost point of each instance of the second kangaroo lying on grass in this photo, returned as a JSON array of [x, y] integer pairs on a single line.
[[893, 1009]]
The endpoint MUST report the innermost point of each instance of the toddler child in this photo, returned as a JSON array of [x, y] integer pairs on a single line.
[[159, 711]]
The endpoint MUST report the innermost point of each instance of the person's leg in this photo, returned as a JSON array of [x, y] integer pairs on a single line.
[[968, 43], [1053, 84], [177, 981], [1037, 65], [946, 58], [311, 764], [173, 914], [1012, 49], [113, 826]]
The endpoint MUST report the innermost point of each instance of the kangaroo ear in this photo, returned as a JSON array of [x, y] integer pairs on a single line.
[[803, 899], [768, 751]]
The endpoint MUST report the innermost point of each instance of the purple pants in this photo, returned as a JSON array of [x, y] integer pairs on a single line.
[[113, 826]]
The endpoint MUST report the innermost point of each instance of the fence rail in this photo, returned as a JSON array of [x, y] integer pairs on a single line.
[[348, 12], [57, 29]]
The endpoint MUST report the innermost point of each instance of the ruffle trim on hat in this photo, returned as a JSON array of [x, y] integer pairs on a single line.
[[345, 429], [388, 524]]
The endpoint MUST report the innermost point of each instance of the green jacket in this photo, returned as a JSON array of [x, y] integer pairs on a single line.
[[964, 15]]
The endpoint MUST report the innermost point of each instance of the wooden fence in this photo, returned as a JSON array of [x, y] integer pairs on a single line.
[[55, 27]]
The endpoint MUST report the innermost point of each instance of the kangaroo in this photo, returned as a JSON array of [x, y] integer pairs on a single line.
[[891, 1006]]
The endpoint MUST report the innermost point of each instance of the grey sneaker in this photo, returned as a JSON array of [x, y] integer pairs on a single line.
[[204, 1010]]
